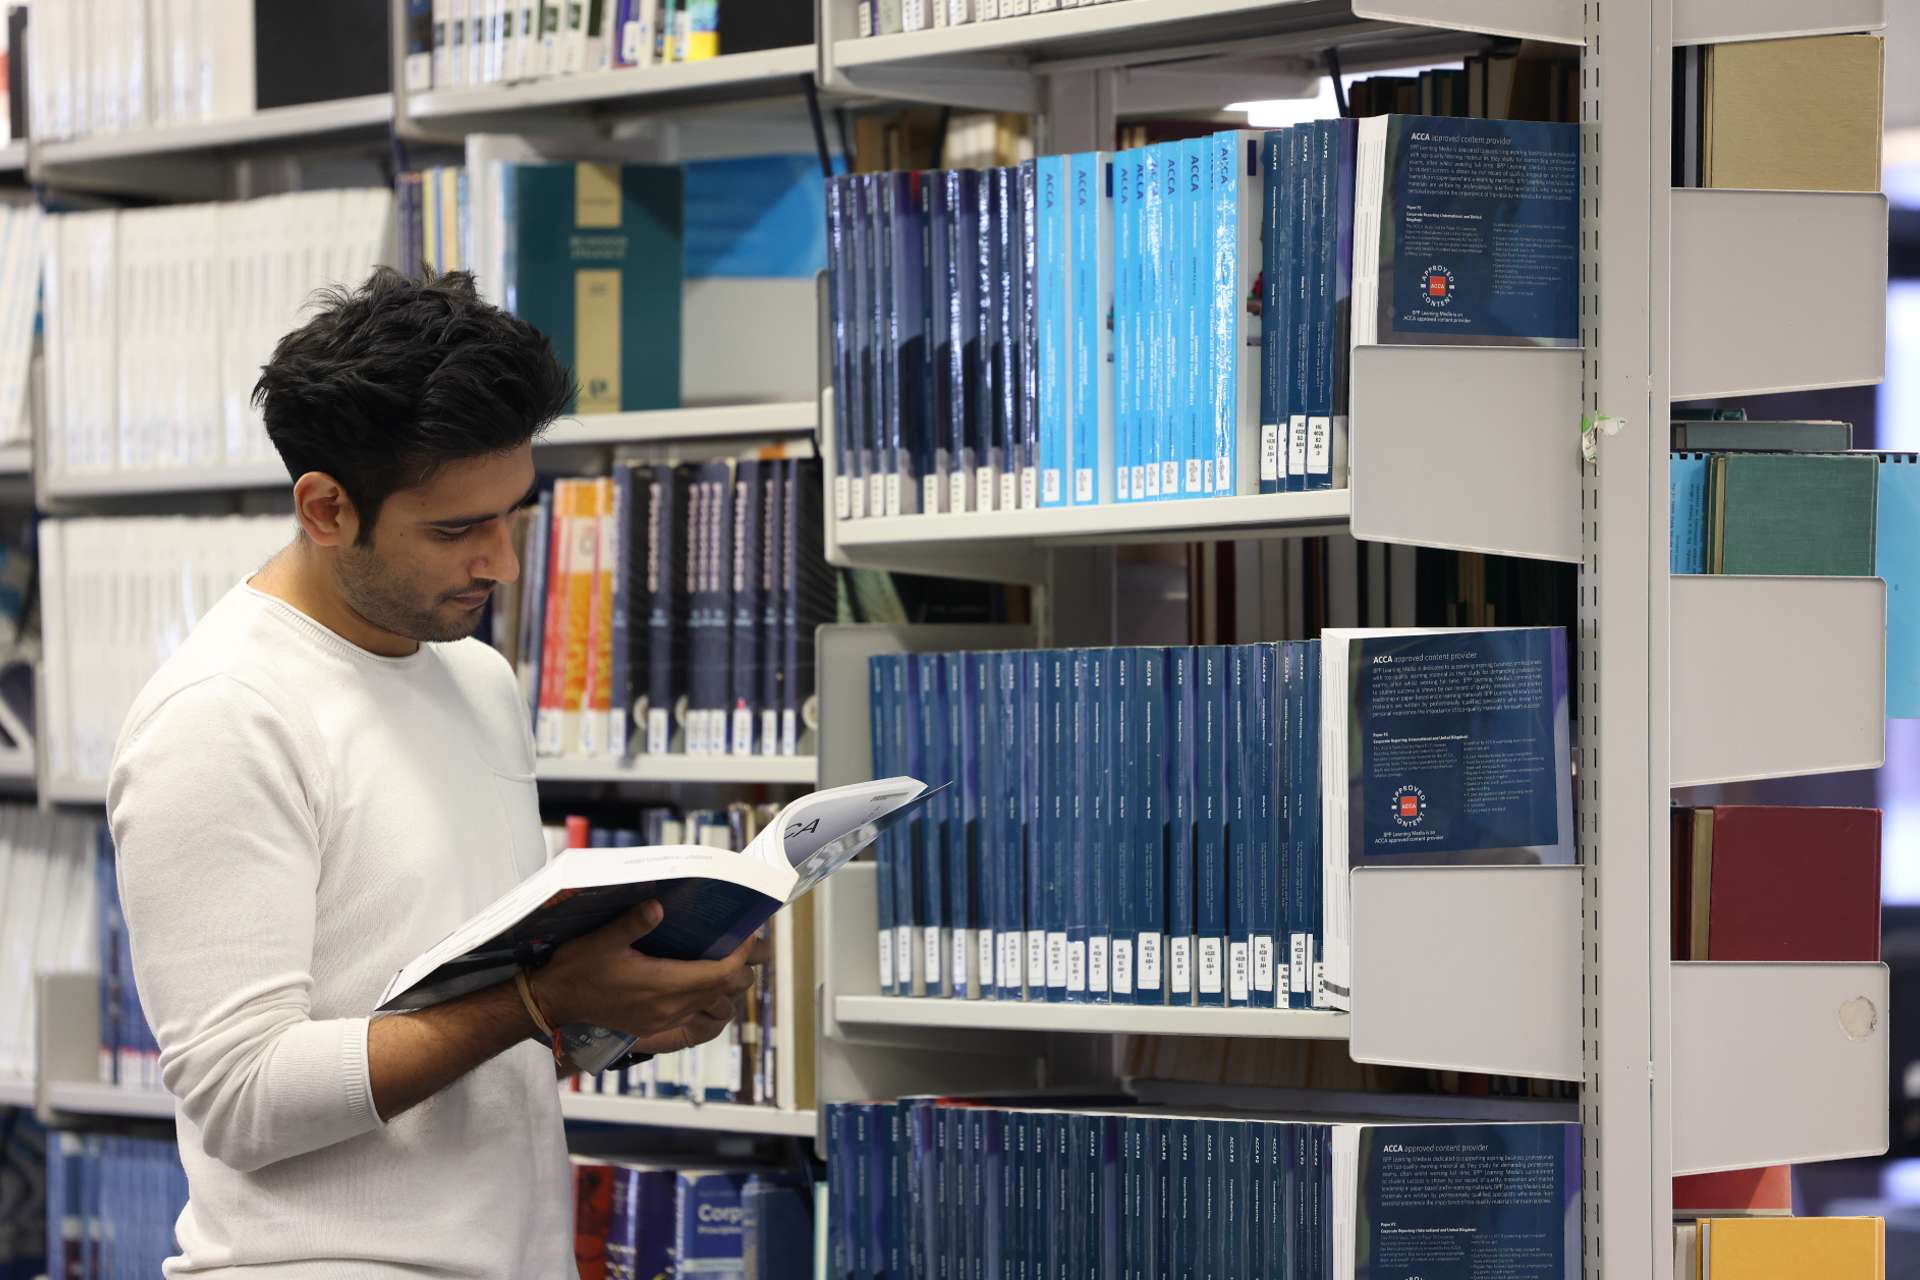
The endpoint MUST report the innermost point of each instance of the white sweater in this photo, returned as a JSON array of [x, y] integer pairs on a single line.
[[295, 819]]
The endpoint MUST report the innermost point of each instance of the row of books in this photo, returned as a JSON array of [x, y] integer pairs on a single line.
[[21, 229], [1175, 321], [1782, 513], [1528, 81], [1780, 1248], [1744, 887], [588, 254], [158, 320], [638, 1220], [924, 1188], [1175, 826], [671, 608], [118, 66], [891, 17], [741, 1065], [111, 1204], [117, 597], [47, 919], [454, 44]]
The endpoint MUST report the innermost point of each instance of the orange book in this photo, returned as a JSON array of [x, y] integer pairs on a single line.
[[581, 533], [595, 731], [1793, 1249], [547, 726]]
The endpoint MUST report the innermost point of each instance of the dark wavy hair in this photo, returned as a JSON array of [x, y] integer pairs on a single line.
[[389, 382]]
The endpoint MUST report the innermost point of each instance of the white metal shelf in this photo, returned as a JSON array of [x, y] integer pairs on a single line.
[[773, 771], [133, 483], [89, 1098], [16, 1092], [713, 422], [13, 156], [76, 791], [1098, 1019], [763, 73], [678, 1113], [16, 460], [262, 128], [1718, 21]]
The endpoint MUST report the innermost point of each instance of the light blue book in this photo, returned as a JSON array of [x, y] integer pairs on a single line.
[[1688, 518], [1053, 247], [1897, 561], [1196, 195], [1091, 281]]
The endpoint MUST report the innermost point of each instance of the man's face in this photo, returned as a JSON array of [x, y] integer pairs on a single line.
[[439, 549]]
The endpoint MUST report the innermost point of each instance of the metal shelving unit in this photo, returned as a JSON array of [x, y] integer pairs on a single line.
[[13, 157], [676, 86], [84, 1098], [770, 771], [678, 1113], [1101, 1019], [273, 127], [81, 485]]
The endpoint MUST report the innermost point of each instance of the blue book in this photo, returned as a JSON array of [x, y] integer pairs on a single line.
[[1105, 1242], [1209, 1207], [1239, 195], [900, 1172], [1236, 1160], [1315, 860], [1079, 1207], [1264, 728], [970, 964], [1688, 513], [1183, 1236], [1303, 801], [1057, 750], [1156, 326], [1261, 1260], [991, 1210], [1126, 856], [919, 1211], [1276, 252], [668, 601], [1171, 425], [1027, 276], [776, 1225], [1009, 225], [1063, 1210], [1242, 664], [940, 299], [1196, 286], [1150, 789], [708, 1238], [864, 1187], [989, 411], [1053, 336], [1035, 778], [978, 1225], [1162, 1238], [926, 759], [1126, 291], [748, 568], [871, 231], [642, 1205], [1897, 562], [841, 327], [1091, 280], [1212, 687], [909, 889], [1304, 213], [939, 1209], [1509, 274], [885, 855], [1010, 784], [1134, 1203], [1079, 748], [1026, 1215], [965, 362], [1100, 846], [1182, 762], [1327, 415], [909, 428]]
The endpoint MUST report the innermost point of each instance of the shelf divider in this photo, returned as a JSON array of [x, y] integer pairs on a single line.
[[1720, 21]]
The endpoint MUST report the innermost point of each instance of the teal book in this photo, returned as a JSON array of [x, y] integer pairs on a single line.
[[1783, 513], [596, 267], [1897, 560]]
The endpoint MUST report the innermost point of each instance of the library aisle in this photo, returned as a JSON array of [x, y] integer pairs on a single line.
[[1262, 640]]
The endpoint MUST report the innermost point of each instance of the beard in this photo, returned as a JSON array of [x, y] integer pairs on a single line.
[[384, 597]]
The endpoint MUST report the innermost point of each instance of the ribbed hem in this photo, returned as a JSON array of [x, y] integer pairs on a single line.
[[356, 1080], [326, 636]]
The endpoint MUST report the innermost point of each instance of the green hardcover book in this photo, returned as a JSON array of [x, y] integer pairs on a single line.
[[1792, 513], [595, 266]]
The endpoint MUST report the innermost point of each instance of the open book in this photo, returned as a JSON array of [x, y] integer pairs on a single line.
[[715, 899]]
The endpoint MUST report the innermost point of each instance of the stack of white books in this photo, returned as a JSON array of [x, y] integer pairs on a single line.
[[48, 919], [158, 321], [113, 66], [117, 598], [20, 231]]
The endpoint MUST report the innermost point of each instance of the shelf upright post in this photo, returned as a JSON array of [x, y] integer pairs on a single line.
[[1626, 1099]]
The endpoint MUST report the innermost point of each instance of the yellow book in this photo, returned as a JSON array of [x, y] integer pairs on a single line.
[[1799, 114], [1793, 1249], [581, 529]]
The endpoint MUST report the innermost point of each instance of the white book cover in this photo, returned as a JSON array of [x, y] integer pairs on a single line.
[[227, 44], [573, 43], [442, 44], [550, 60]]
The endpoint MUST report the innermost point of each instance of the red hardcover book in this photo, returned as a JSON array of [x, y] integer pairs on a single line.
[[1766, 1190], [1786, 882], [592, 1216]]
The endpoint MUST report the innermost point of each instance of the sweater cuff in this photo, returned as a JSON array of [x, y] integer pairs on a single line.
[[356, 1079]]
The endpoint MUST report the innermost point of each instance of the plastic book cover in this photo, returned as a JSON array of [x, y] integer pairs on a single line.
[[1687, 524], [1897, 562], [1052, 248], [709, 1224], [1458, 1202], [1092, 282]]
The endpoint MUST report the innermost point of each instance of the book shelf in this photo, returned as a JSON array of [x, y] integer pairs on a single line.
[[16, 460], [274, 127], [746, 771], [729, 78], [87, 1098], [13, 157], [678, 1113]]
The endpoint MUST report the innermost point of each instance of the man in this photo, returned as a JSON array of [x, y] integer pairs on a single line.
[[325, 780]]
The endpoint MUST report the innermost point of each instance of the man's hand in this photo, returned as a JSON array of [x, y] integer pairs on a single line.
[[668, 1004]]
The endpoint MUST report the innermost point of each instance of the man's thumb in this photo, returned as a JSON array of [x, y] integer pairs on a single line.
[[639, 921]]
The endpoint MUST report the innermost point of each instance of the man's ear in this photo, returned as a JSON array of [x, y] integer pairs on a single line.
[[325, 512]]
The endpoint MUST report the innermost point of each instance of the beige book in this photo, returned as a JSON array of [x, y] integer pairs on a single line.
[[1797, 115]]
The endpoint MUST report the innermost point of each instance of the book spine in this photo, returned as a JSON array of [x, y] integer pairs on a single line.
[[1306, 164], [1076, 881], [1053, 249], [1034, 774], [1150, 790], [1327, 467], [597, 687], [1301, 795], [1182, 705], [959, 864], [747, 566], [1263, 725], [1241, 664], [840, 293], [1159, 248], [942, 306], [552, 664], [1091, 394], [883, 401], [1688, 513], [1098, 844], [1239, 195], [1197, 238], [1316, 850], [1124, 845], [1009, 296], [1273, 253], [1057, 746], [620, 606], [1210, 852], [1010, 783], [984, 355], [1027, 442], [1320, 378], [773, 578], [928, 759], [1123, 170], [980, 847]]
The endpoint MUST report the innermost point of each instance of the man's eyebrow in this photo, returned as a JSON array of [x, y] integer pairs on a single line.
[[527, 499]]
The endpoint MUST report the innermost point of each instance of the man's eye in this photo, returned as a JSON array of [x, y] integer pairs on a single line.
[[448, 535]]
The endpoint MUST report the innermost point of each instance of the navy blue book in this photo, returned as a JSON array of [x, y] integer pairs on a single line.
[[1009, 299], [1264, 726], [932, 738], [626, 519], [1304, 800], [978, 1231], [1211, 691], [777, 476], [1008, 784], [1027, 441], [866, 324], [1100, 846], [1260, 1257], [1162, 1236], [1063, 1212], [1182, 761], [841, 285], [990, 1203], [919, 1211], [986, 427], [748, 567], [667, 603], [776, 1226], [908, 857], [965, 362], [840, 1189], [1303, 213], [808, 596], [1316, 862], [1127, 857], [1058, 748], [1276, 249], [908, 374], [1460, 749], [1507, 194], [917, 714], [964, 920], [1150, 922], [885, 858], [710, 608], [1080, 743], [1242, 666], [1106, 1240], [1033, 795], [1136, 1229], [1331, 304], [1025, 1217], [900, 1171], [938, 299], [1183, 1252], [869, 1161], [1209, 1211], [1080, 1207], [882, 391]]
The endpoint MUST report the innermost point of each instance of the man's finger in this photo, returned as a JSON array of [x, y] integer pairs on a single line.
[[638, 922]]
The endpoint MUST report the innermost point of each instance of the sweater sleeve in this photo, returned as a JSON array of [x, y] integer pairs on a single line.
[[212, 803]]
